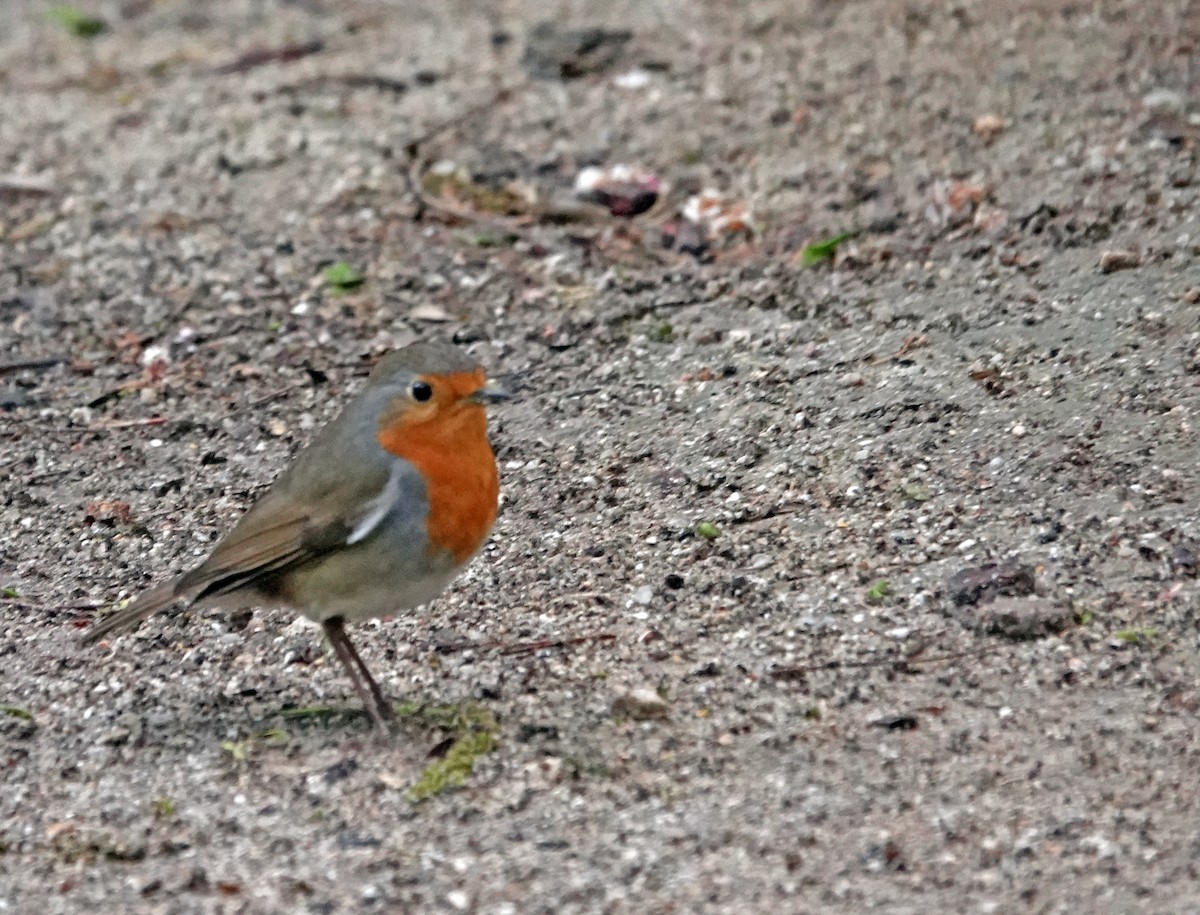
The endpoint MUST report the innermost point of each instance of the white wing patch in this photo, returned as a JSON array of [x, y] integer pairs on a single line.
[[376, 510]]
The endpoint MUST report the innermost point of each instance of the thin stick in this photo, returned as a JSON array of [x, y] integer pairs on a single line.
[[17, 365], [543, 644], [34, 605], [110, 425], [914, 658]]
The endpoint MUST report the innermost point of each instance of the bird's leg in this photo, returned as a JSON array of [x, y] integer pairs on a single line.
[[384, 707], [364, 684]]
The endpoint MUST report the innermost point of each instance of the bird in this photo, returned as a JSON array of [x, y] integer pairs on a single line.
[[378, 514]]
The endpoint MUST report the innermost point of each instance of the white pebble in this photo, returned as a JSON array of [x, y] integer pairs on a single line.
[[643, 595]]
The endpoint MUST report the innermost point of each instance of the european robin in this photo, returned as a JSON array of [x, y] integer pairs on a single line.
[[385, 506]]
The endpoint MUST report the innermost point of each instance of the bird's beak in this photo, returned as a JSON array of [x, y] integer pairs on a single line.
[[490, 393]]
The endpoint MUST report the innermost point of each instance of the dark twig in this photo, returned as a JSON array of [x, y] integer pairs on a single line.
[[912, 658], [520, 648], [544, 644], [109, 425], [44, 362], [35, 605], [257, 57]]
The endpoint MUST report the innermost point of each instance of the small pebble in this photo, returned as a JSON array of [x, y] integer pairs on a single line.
[[1112, 261], [641, 705], [643, 595]]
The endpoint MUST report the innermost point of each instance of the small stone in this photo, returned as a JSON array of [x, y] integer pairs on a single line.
[[115, 736], [544, 772], [12, 398], [984, 583], [632, 79], [434, 314], [196, 882], [643, 595], [370, 893], [1103, 847], [1112, 261], [125, 851], [988, 126], [155, 353], [623, 189], [1021, 618], [1165, 100], [641, 705]]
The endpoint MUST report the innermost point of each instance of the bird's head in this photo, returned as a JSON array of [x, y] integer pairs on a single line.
[[431, 391]]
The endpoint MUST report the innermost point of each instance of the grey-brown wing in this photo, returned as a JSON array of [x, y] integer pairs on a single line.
[[233, 565], [276, 534]]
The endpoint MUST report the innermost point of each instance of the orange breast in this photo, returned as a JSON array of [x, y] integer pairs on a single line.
[[462, 484]]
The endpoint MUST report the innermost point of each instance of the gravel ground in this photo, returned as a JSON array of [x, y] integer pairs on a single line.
[[858, 585]]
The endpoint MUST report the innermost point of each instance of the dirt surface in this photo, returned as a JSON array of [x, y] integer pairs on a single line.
[[717, 633]]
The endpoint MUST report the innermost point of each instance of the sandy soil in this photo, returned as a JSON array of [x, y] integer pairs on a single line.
[[808, 711]]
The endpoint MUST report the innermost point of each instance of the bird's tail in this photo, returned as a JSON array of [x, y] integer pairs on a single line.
[[145, 605]]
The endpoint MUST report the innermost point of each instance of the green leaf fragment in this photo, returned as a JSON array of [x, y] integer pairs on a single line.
[[309, 711], [662, 332], [878, 591], [16, 712], [341, 277], [488, 239], [823, 250], [1135, 636], [275, 737], [77, 22], [475, 732], [453, 769]]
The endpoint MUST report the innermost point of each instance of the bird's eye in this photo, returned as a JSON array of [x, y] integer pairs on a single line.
[[421, 391]]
